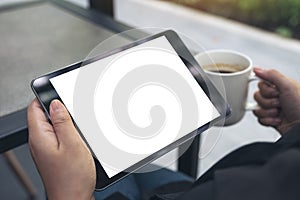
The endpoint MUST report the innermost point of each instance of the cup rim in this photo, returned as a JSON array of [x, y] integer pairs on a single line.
[[249, 68]]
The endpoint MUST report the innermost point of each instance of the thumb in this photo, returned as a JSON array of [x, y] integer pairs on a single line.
[[62, 123], [274, 77]]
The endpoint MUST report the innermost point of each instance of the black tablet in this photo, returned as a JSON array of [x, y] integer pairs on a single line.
[[133, 104]]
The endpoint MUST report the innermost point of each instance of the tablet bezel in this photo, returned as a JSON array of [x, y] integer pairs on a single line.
[[45, 93]]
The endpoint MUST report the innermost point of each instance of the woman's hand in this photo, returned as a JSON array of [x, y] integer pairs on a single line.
[[279, 100], [62, 158]]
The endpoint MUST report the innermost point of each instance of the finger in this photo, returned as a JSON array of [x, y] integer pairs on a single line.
[[40, 130], [263, 113], [265, 102], [274, 77], [267, 90], [62, 124], [269, 121], [34, 112], [37, 119]]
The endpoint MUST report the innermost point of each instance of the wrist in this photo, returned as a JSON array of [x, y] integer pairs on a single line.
[[71, 196], [66, 197]]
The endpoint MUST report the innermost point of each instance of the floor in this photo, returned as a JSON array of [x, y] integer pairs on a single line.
[[10, 185]]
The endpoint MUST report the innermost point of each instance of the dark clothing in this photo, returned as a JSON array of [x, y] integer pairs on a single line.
[[256, 171], [139, 186], [259, 171]]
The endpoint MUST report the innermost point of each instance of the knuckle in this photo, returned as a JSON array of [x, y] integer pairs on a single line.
[[60, 118], [264, 121], [273, 71], [256, 95], [261, 121], [260, 100], [272, 112], [260, 84], [257, 112], [267, 92]]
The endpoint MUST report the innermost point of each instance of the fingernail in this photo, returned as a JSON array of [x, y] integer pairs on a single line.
[[55, 106]]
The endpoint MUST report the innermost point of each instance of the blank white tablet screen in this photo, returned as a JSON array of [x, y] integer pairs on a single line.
[[148, 103]]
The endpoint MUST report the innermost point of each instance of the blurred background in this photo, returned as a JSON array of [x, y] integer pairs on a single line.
[[279, 16]]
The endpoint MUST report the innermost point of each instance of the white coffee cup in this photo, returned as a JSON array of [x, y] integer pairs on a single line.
[[231, 72]]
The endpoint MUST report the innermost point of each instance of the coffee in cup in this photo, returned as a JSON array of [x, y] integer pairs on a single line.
[[223, 68], [231, 72]]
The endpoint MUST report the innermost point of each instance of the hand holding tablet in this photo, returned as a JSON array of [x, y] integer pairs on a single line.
[[53, 147], [133, 104]]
